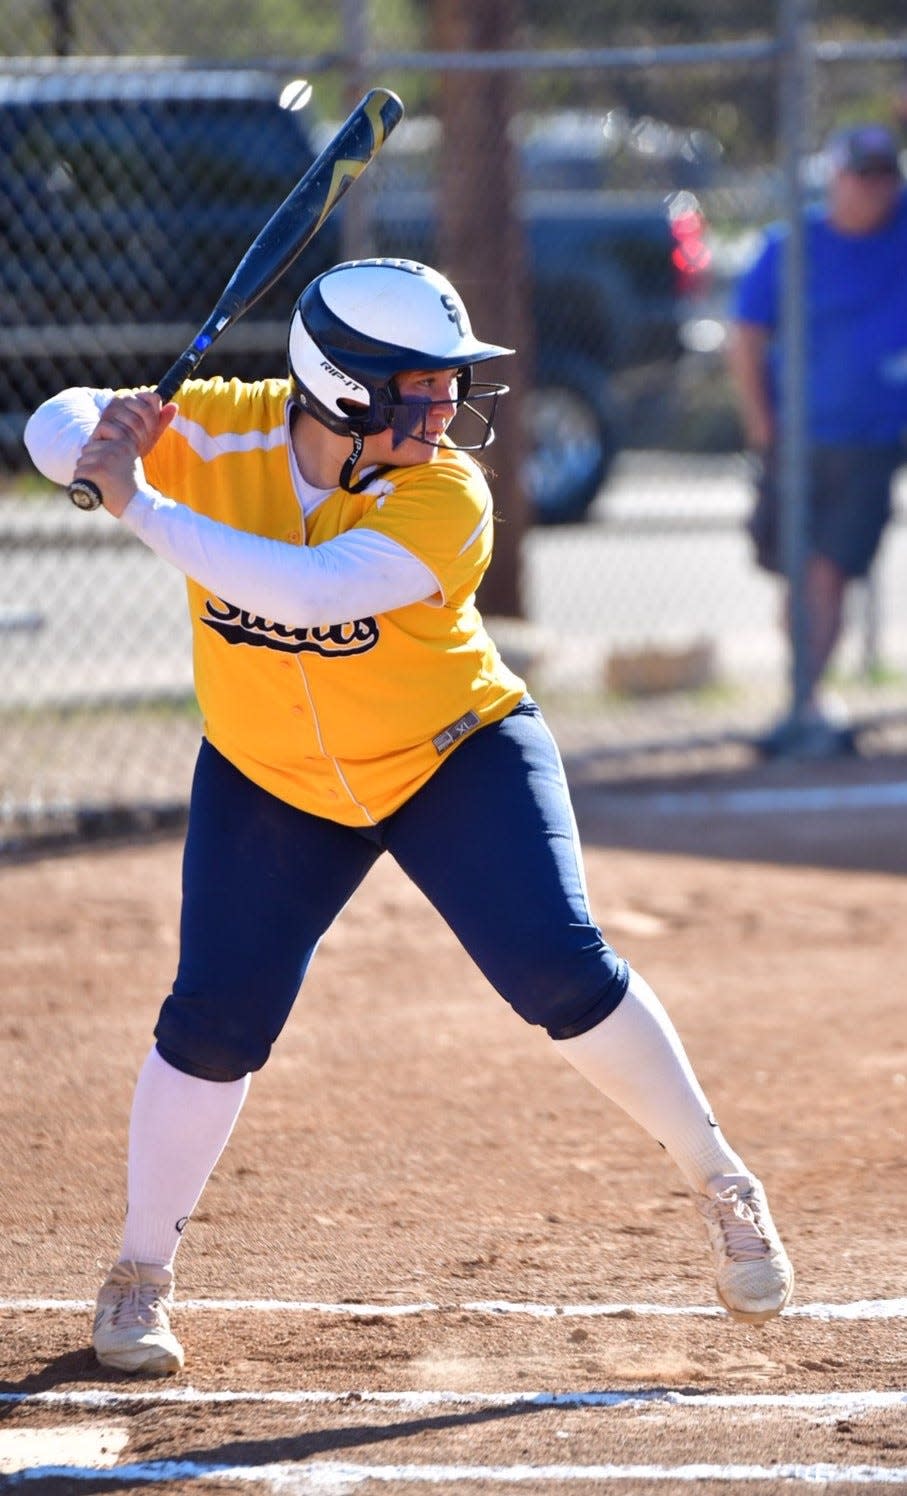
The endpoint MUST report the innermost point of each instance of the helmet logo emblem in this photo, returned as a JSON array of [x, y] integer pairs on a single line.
[[454, 312], [338, 374]]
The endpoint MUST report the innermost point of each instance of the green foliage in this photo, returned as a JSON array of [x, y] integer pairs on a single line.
[[236, 29], [633, 22], [736, 102], [214, 29]]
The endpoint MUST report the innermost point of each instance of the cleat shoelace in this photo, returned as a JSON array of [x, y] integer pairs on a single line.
[[744, 1237], [139, 1305]]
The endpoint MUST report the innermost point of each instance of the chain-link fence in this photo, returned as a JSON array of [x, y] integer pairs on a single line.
[[644, 172]]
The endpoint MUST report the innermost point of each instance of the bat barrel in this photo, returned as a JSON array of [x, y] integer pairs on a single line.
[[300, 216], [387, 105], [289, 229]]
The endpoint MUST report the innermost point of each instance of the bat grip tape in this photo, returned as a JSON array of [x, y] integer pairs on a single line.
[[178, 372]]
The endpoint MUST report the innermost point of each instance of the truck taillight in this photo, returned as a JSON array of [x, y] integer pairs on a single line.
[[691, 256]]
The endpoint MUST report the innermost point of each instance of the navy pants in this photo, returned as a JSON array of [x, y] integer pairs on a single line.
[[491, 841]]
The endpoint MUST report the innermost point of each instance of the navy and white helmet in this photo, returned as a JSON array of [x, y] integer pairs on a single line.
[[358, 325]]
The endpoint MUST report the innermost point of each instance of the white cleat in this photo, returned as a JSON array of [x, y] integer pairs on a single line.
[[753, 1273], [132, 1324]]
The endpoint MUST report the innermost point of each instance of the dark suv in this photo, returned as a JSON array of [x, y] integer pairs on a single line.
[[129, 197]]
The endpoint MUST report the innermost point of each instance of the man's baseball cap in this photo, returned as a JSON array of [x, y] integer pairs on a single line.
[[864, 148]]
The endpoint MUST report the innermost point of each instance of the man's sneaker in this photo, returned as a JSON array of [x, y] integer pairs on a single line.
[[817, 732], [754, 1275], [132, 1326]]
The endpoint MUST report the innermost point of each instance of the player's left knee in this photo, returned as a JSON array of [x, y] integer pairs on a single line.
[[202, 1040], [564, 1015]]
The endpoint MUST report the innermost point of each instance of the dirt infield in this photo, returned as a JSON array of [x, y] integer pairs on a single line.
[[413, 1144]]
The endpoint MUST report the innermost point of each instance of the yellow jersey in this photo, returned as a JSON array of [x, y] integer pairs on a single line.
[[346, 720]]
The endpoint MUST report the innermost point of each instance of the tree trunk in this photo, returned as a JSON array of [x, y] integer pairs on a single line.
[[481, 250]]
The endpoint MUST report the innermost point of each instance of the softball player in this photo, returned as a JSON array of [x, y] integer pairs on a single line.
[[333, 531]]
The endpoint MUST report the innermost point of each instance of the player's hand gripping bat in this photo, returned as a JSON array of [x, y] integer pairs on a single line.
[[285, 235]]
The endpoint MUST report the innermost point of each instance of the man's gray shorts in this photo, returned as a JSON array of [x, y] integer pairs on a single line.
[[848, 506]]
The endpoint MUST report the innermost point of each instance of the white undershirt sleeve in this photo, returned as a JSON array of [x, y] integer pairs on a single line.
[[352, 576], [355, 575]]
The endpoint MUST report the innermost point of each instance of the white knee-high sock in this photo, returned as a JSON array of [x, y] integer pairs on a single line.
[[177, 1132], [635, 1057]]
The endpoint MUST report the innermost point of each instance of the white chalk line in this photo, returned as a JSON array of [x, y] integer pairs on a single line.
[[839, 1404], [768, 801], [859, 1309], [328, 1475], [315, 1476]]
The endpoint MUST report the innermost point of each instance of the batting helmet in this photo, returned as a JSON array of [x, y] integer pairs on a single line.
[[357, 326]]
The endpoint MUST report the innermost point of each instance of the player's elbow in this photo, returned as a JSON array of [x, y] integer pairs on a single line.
[[57, 431]]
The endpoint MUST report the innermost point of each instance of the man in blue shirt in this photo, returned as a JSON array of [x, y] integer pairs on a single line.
[[856, 341]]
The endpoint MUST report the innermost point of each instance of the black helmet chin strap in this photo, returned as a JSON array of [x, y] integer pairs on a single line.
[[346, 472]]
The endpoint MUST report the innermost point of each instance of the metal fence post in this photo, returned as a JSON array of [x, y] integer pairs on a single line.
[[356, 240], [872, 625], [795, 120]]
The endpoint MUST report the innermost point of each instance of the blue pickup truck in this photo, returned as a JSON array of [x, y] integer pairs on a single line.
[[130, 196]]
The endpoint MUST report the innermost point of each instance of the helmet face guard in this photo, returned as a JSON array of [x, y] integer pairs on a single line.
[[358, 326], [472, 426]]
